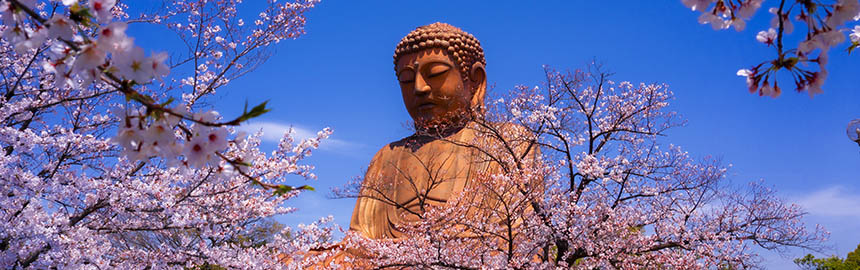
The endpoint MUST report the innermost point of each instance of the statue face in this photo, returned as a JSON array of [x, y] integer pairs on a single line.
[[433, 89]]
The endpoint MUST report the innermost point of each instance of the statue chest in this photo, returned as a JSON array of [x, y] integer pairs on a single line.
[[429, 175]]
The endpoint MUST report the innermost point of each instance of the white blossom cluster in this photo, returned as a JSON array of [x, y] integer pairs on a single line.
[[98, 173], [827, 23], [141, 140], [112, 50]]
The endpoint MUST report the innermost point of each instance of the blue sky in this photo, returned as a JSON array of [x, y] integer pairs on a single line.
[[340, 75]]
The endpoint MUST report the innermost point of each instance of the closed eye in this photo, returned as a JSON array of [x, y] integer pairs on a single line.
[[438, 69], [406, 76]]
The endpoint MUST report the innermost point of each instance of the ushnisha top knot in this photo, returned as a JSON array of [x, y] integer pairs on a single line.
[[463, 48]]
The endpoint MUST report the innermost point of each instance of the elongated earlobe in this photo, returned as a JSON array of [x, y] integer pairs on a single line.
[[478, 78]]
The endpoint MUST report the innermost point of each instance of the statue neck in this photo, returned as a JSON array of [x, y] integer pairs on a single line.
[[438, 132], [441, 129]]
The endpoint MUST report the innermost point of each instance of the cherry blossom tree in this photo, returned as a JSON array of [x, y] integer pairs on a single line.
[[824, 26], [102, 168], [586, 181]]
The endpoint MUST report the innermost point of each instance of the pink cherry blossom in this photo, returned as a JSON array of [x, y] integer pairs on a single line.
[[843, 11], [855, 34], [603, 192], [752, 83], [216, 139], [830, 38], [809, 45], [739, 24], [715, 21], [96, 163], [112, 37], [92, 55], [61, 71], [132, 65], [748, 8], [817, 80], [159, 68], [697, 5], [160, 135], [60, 27], [766, 37], [10, 14], [198, 152], [825, 23], [771, 91], [129, 135], [787, 25], [25, 38], [102, 9]]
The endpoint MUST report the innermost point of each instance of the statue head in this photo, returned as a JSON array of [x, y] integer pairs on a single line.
[[441, 73]]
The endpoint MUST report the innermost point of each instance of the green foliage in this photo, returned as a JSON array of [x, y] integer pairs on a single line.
[[81, 15], [246, 115], [206, 267], [284, 189], [851, 262]]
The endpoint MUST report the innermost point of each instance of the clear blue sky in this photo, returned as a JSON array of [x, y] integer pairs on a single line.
[[340, 75]]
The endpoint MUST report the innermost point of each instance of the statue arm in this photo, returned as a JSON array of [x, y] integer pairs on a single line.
[[368, 210]]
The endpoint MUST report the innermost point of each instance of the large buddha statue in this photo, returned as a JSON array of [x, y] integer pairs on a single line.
[[440, 70]]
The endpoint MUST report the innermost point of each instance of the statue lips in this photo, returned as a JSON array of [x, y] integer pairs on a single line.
[[427, 105]]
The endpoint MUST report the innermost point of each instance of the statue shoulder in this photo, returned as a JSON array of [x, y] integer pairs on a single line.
[[520, 137], [381, 154], [505, 129], [386, 151]]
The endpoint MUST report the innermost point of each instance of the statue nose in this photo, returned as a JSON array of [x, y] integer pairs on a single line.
[[421, 87], [422, 90]]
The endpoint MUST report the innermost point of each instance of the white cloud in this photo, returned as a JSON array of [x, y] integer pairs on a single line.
[[273, 132], [833, 201]]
